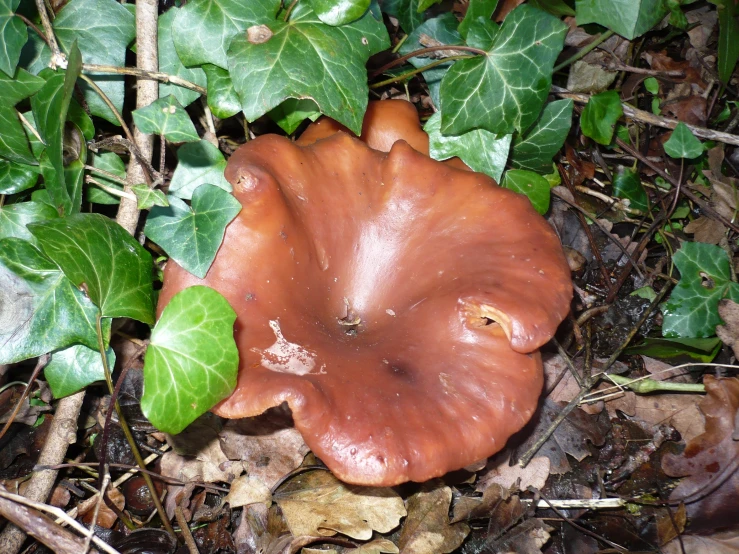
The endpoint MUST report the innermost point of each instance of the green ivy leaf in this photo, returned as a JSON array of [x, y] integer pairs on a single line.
[[530, 184], [700, 350], [222, 98], [15, 217], [426, 4], [305, 58], [339, 12], [482, 32], [628, 18], [292, 112], [19, 87], [50, 106], [475, 10], [13, 36], [192, 361], [72, 369], [192, 236], [482, 151], [40, 309], [15, 177], [147, 197], [626, 184], [13, 141], [408, 12], [705, 278], [506, 89], [169, 63], [103, 30], [198, 163], [600, 115], [97, 253], [203, 29], [555, 7], [443, 30], [535, 149], [112, 163], [166, 117], [79, 117], [682, 143]]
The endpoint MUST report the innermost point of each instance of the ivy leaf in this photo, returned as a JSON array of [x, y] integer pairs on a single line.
[[438, 30], [555, 7], [305, 58], [192, 236], [504, 90], [475, 10], [103, 30], [40, 309], [482, 151], [682, 143], [166, 117], [147, 197], [15, 217], [19, 87], [339, 12], [72, 369], [13, 36], [407, 11], [203, 29], [50, 106], [705, 279], [98, 254], [600, 115], [13, 141], [79, 117], [626, 184], [198, 163], [222, 98], [169, 63], [482, 32], [530, 184], [292, 112], [628, 18], [192, 361], [535, 149], [112, 163], [15, 177]]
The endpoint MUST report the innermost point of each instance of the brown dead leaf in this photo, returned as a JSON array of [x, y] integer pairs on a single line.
[[500, 472], [729, 332], [106, 517], [268, 445], [726, 542], [248, 490], [706, 229], [705, 20], [262, 530], [709, 464], [427, 529], [377, 546], [670, 526], [318, 504]]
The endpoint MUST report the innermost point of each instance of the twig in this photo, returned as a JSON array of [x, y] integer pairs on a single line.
[[421, 52], [40, 364], [646, 385], [585, 50], [143, 74], [651, 119], [96, 511], [419, 70], [109, 189], [62, 433], [40, 527], [57, 58], [186, 534], [580, 503]]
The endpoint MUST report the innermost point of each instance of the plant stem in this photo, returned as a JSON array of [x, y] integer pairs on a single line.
[[585, 50], [143, 74], [289, 10], [401, 60], [127, 430], [404, 76], [647, 385]]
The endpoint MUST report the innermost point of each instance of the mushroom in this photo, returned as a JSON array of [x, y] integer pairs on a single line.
[[395, 303]]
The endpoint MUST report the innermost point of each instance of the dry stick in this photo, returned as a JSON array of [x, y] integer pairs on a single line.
[[651, 119], [143, 74], [531, 452], [147, 91], [62, 433], [57, 58], [585, 50], [186, 534], [41, 528], [423, 51], [40, 364]]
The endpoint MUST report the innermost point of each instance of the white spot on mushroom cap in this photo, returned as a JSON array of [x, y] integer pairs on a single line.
[[287, 357]]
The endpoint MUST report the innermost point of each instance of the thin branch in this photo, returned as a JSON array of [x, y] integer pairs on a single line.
[[58, 59], [417, 71], [423, 51], [585, 50], [143, 74]]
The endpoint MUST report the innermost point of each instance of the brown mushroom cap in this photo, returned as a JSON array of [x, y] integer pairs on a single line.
[[362, 283]]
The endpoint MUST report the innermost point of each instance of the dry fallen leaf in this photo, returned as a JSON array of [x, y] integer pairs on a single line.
[[706, 229], [377, 546], [500, 472], [729, 333], [318, 504], [709, 463], [726, 542], [427, 529], [106, 517], [248, 490]]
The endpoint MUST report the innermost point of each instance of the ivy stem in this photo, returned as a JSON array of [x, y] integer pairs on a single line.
[[289, 10], [646, 385], [127, 430], [404, 76], [57, 58], [585, 50], [401, 60]]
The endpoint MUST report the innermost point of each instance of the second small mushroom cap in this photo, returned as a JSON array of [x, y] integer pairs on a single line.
[[365, 284]]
